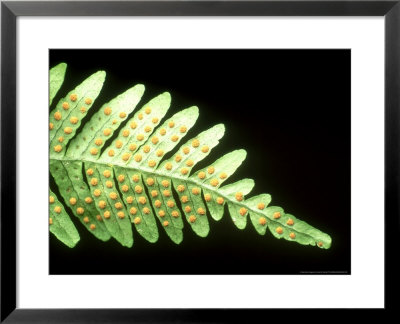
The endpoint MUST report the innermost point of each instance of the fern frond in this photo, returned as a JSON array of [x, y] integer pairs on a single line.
[[109, 186]]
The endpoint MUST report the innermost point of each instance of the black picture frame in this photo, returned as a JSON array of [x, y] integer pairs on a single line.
[[10, 10]]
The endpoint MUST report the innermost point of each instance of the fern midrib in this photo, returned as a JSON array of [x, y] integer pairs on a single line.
[[202, 185]]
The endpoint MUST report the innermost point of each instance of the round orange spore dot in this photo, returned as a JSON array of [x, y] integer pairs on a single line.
[[154, 193], [57, 115], [111, 153], [122, 114], [98, 141], [114, 121], [96, 192], [140, 116], [201, 175], [192, 218], [184, 171], [132, 147], [146, 149], [89, 171], [133, 211], [72, 201], [210, 170], [107, 214], [61, 139], [118, 205], [163, 131], [118, 144], [161, 213], [67, 130], [129, 199], [279, 230], [147, 129], [220, 200], [51, 200], [175, 214], [184, 199], [292, 235], [98, 217], [109, 184], [137, 157], [262, 221], [57, 148], [207, 197], [261, 205], [242, 211], [57, 209], [107, 131], [205, 149], [171, 124], [166, 193], [150, 181], [195, 191], [88, 101], [125, 157], [82, 110], [125, 188], [140, 137], [168, 166], [88, 200], [146, 210], [147, 110], [239, 196], [165, 223], [174, 138], [73, 97], [138, 189], [50, 221], [170, 204], [93, 151], [80, 211], [277, 215], [65, 105], [201, 211], [195, 143], [154, 139], [320, 244], [125, 133], [107, 173], [92, 227], [133, 125], [165, 183], [223, 175], [178, 158], [51, 126], [188, 209], [157, 203], [290, 222], [154, 120], [102, 204], [189, 163], [183, 129], [107, 111], [73, 120], [94, 181], [86, 219], [113, 195], [137, 220], [142, 200], [160, 153], [121, 214], [181, 188], [135, 178], [214, 182], [186, 150]]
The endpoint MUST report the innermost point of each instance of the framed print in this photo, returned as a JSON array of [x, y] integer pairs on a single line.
[[153, 106]]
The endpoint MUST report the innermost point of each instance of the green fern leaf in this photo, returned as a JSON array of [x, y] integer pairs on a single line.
[[57, 75], [110, 183]]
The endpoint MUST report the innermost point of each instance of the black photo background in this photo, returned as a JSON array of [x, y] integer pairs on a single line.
[[289, 109]]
